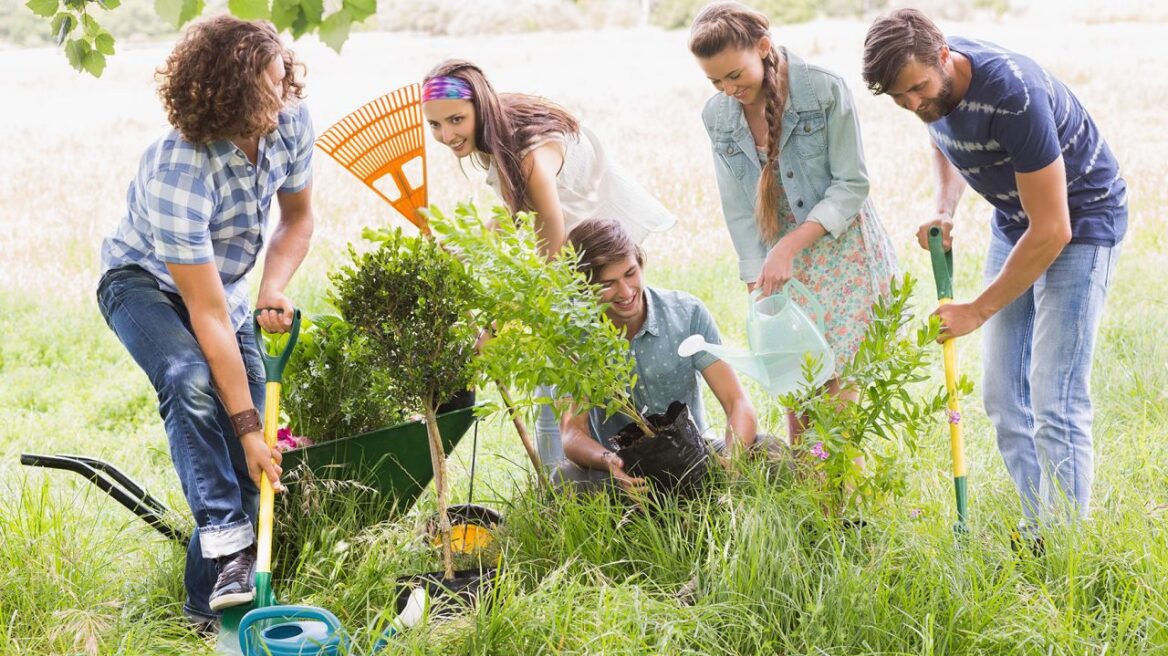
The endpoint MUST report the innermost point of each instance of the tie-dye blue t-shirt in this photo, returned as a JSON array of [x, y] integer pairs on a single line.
[[1017, 118]]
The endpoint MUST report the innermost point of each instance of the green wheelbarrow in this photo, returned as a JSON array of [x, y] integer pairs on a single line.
[[394, 460]]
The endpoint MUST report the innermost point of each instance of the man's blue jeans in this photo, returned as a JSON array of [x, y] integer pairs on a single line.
[[155, 328], [1037, 358]]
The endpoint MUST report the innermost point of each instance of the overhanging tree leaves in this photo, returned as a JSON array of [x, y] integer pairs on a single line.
[[86, 48]]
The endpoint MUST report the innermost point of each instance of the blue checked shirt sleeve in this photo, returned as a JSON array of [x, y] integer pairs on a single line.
[[179, 208], [300, 173]]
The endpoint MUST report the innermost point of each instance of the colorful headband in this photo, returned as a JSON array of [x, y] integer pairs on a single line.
[[446, 87]]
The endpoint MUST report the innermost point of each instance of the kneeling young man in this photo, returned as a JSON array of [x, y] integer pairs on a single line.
[[655, 321]]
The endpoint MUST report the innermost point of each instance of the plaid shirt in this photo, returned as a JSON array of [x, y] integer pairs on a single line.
[[197, 203]]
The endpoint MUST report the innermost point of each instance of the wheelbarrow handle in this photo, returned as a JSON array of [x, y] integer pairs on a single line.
[[274, 364], [121, 488], [942, 264]]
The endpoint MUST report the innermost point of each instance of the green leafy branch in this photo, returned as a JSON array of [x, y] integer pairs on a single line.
[[549, 328], [74, 28], [865, 449], [87, 44]]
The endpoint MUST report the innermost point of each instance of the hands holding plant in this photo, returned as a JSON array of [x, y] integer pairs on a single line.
[[616, 467]]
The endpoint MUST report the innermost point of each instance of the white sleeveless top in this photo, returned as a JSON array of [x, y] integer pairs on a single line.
[[593, 186]]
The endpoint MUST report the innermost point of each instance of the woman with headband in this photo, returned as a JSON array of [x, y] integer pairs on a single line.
[[540, 159], [537, 156], [791, 175]]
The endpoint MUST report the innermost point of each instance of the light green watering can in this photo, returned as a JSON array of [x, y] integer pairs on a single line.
[[781, 337]]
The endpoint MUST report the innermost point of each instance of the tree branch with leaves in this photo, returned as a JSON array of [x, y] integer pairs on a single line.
[[549, 327], [87, 44]]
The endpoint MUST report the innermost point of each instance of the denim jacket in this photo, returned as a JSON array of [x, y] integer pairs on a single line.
[[821, 160]]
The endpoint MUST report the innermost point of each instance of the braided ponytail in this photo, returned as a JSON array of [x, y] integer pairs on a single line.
[[774, 87]]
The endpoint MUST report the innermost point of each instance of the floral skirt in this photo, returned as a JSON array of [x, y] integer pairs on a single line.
[[848, 275]]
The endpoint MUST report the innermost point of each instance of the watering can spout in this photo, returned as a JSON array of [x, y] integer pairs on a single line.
[[740, 360]]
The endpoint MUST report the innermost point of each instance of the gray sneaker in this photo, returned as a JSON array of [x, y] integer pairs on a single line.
[[236, 583]]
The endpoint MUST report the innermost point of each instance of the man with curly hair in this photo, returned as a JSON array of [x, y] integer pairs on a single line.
[[173, 284]]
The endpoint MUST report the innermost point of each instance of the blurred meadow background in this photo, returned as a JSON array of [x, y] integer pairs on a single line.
[[78, 574]]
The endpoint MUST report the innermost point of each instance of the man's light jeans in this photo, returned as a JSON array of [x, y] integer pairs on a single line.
[[1037, 357]]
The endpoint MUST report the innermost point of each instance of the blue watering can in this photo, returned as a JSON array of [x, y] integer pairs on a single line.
[[781, 337], [312, 631], [304, 631]]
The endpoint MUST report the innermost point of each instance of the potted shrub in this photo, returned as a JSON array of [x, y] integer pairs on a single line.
[[332, 387], [412, 301]]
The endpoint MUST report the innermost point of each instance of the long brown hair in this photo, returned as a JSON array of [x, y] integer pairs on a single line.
[[213, 85], [505, 124], [724, 25]]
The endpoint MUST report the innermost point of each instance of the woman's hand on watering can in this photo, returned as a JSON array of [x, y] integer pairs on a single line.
[[776, 270], [275, 311], [942, 220], [262, 458]]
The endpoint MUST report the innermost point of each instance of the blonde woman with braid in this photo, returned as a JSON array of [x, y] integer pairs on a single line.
[[791, 175]]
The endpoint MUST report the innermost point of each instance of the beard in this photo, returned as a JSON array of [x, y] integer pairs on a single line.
[[940, 105]]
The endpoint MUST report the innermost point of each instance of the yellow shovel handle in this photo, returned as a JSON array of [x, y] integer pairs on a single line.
[[267, 494]]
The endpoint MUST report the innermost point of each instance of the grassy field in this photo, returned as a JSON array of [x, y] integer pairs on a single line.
[[78, 574]]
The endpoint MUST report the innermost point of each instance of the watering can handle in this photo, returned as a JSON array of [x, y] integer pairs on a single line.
[[288, 613], [274, 364], [942, 264], [812, 300], [751, 313]]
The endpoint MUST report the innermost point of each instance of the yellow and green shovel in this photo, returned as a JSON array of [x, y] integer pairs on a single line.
[[943, 276], [274, 375], [318, 631]]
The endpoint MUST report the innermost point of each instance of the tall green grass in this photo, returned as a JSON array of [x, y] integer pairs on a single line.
[[753, 567]]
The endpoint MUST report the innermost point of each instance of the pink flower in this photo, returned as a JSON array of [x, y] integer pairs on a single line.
[[915, 513], [286, 441], [818, 451], [954, 417]]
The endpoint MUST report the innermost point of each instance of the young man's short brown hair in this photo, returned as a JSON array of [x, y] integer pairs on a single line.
[[893, 40], [599, 243]]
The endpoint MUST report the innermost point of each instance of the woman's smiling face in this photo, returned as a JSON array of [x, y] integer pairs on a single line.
[[737, 72], [452, 122]]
